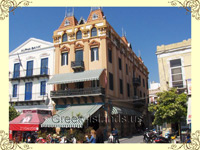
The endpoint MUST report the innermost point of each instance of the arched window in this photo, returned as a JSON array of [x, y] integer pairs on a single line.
[[64, 37], [79, 35], [94, 32]]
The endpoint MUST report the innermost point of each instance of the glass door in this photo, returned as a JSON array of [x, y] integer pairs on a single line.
[[28, 91], [44, 66]]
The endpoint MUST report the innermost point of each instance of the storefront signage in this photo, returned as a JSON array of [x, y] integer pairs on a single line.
[[31, 48], [189, 86]]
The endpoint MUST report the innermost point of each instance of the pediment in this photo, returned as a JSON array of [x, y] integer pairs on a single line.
[[65, 48], [94, 43], [30, 45], [79, 45]]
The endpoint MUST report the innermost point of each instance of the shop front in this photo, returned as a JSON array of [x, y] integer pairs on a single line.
[[27, 123]]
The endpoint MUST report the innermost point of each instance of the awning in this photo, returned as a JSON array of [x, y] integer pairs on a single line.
[[76, 77], [71, 117], [125, 111], [29, 121]]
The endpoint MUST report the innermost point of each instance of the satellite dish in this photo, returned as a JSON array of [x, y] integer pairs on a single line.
[[47, 101]]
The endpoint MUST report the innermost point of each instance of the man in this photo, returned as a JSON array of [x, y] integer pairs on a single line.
[[115, 135]]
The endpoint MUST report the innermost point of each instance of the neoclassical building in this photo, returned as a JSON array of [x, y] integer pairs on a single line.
[[97, 73], [31, 65]]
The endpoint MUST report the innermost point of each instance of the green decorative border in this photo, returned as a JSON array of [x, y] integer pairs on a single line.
[[5, 144], [192, 6], [5, 4], [194, 145]]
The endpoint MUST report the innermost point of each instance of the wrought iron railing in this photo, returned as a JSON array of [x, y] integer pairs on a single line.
[[74, 92], [77, 64], [28, 97], [136, 81], [29, 73]]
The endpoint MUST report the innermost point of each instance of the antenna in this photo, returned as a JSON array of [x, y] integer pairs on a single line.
[[66, 12], [73, 11], [122, 31]]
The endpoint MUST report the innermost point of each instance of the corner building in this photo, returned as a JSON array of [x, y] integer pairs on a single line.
[[95, 66]]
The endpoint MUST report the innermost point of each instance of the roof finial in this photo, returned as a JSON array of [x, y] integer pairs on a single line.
[[122, 32]]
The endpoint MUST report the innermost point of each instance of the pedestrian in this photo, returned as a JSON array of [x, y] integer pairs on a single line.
[[49, 138], [188, 137], [92, 138], [99, 136], [115, 135]]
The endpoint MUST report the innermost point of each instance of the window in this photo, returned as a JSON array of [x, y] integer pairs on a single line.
[[140, 78], [143, 82], [120, 64], [111, 87], [67, 22], [94, 32], [29, 68], [110, 55], [94, 16], [126, 69], [121, 86], [14, 90], [94, 54], [44, 66], [147, 84], [16, 70], [28, 91], [79, 35], [140, 93], [95, 83], [133, 74], [128, 89], [43, 88], [176, 73], [135, 91], [64, 37], [63, 86], [144, 95], [64, 58], [80, 85], [79, 55]]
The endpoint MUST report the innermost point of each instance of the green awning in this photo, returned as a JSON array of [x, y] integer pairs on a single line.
[[125, 111], [71, 117], [76, 77]]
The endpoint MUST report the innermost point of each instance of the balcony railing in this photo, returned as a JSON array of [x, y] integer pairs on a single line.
[[136, 82], [35, 72], [28, 97], [77, 64], [78, 92]]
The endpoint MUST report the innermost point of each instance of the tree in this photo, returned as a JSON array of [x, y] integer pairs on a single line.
[[170, 108], [13, 113]]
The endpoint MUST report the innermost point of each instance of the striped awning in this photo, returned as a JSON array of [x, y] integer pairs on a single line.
[[125, 111], [76, 77], [72, 116]]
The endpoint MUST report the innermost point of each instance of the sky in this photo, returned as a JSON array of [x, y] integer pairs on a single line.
[[145, 27]]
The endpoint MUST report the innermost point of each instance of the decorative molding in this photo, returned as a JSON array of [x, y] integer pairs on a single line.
[[94, 43], [192, 6], [5, 144], [6, 4], [78, 45], [65, 48]]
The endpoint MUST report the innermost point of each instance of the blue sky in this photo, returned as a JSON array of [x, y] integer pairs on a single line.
[[146, 27]]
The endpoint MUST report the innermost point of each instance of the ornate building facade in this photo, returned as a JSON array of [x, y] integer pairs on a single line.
[[95, 66]]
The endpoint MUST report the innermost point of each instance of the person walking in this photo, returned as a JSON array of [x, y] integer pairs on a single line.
[[115, 135], [92, 138]]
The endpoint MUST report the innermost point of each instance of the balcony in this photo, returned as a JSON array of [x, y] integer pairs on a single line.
[[28, 99], [136, 82], [28, 74], [77, 65], [92, 91], [138, 102]]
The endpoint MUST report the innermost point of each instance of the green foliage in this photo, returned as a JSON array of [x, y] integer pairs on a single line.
[[170, 108], [13, 113]]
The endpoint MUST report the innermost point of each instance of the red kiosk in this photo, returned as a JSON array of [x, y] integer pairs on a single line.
[[29, 120]]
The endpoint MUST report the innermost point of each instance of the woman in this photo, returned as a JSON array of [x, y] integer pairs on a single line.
[[92, 138]]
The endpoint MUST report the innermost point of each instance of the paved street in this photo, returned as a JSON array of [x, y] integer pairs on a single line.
[[136, 138]]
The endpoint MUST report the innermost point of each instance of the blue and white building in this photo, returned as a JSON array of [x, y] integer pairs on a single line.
[[31, 65]]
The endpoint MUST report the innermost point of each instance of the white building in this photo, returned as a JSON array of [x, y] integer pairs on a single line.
[[153, 90], [31, 65]]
